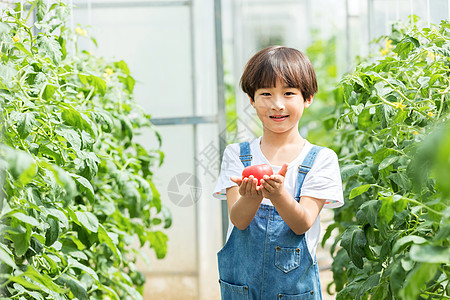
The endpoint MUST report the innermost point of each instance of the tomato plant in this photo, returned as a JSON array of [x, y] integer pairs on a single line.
[[77, 190], [258, 171], [393, 139]]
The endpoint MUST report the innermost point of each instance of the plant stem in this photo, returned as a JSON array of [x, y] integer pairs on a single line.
[[423, 205], [441, 296]]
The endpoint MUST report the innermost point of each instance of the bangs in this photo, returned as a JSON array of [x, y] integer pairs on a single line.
[[277, 68], [289, 66]]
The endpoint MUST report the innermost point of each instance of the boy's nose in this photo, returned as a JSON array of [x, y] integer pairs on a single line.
[[277, 104]]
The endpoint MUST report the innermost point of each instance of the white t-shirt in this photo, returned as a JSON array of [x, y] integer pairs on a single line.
[[323, 181]]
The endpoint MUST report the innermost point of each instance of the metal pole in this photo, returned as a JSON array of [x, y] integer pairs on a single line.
[[197, 208], [347, 36], [221, 115], [411, 12], [386, 17], [397, 10], [369, 19]]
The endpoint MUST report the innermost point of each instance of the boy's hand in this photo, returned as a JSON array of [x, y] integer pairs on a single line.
[[248, 186], [273, 186]]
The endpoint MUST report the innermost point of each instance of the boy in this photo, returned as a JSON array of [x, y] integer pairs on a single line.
[[275, 227]]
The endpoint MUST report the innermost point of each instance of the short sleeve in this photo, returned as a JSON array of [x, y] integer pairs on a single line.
[[323, 181], [231, 166]]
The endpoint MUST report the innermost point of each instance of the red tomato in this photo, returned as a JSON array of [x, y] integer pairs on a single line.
[[258, 171]]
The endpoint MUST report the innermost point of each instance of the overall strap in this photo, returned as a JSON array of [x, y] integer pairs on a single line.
[[245, 155], [304, 168]]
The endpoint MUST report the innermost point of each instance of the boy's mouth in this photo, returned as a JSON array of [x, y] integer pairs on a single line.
[[279, 117]]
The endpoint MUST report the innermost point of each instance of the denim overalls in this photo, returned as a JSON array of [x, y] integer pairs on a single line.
[[267, 260]]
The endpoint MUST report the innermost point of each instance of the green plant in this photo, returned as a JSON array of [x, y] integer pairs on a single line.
[[76, 189], [393, 138], [317, 119]]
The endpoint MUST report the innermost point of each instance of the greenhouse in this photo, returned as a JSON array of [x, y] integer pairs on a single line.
[[117, 123]]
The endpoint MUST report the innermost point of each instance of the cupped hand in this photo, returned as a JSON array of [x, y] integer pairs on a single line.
[[248, 187], [273, 186]]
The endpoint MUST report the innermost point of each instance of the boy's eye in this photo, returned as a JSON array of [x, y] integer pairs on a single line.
[[265, 94], [289, 93]]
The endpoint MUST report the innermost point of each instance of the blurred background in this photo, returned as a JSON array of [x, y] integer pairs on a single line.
[[187, 57]]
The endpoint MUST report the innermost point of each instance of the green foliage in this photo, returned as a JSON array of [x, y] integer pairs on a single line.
[[318, 119], [77, 190], [393, 139]]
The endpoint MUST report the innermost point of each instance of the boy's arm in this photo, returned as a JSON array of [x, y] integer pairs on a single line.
[[299, 216], [243, 201]]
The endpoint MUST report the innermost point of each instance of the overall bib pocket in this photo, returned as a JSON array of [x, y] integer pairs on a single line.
[[233, 291], [287, 259]]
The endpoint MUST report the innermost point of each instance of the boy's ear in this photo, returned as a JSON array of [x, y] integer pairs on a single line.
[[308, 101]]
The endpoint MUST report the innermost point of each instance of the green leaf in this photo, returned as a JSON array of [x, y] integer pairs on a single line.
[[381, 291], [109, 292], [65, 180], [167, 216], [60, 215], [350, 170], [365, 120], [75, 264], [416, 280], [129, 83], [7, 258], [71, 136], [401, 180], [358, 108], [158, 241], [354, 241], [25, 283], [88, 220], [406, 46], [43, 279], [328, 231], [21, 165], [388, 161], [406, 241], [430, 254], [370, 209], [98, 83], [74, 285], [25, 219], [131, 291], [127, 127], [383, 88], [21, 240], [105, 238], [49, 47], [387, 209], [25, 124], [52, 233], [7, 73], [23, 49], [75, 119], [41, 10], [49, 91], [381, 154], [359, 190], [122, 66], [4, 28], [85, 186], [105, 118]]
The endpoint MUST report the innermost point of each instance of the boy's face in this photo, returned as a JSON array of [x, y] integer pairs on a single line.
[[280, 108]]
